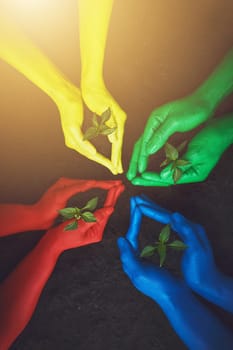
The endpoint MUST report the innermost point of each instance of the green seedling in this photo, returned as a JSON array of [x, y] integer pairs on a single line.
[[161, 246], [172, 157], [75, 213], [99, 127]]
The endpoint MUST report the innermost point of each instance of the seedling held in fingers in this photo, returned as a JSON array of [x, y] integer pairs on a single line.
[[99, 127], [172, 157], [161, 246], [75, 213]]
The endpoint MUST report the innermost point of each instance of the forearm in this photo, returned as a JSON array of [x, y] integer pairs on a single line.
[[18, 51], [16, 218], [94, 19], [219, 84], [217, 288], [197, 327], [20, 292]]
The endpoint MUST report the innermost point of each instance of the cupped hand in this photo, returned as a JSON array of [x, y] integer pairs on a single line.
[[71, 114], [198, 264], [57, 196], [153, 281], [89, 232], [203, 153], [177, 116], [98, 99], [190, 319], [86, 233]]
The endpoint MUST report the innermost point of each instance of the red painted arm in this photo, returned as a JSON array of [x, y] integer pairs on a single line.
[[21, 290], [16, 218]]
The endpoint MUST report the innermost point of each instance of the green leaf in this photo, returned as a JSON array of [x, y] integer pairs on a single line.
[[90, 205], [181, 162], [103, 127], [71, 226], [165, 162], [148, 251], [90, 133], [164, 234], [88, 216], [95, 121], [105, 115], [181, 146], [162, 253], [177, 245], [107, 131], [67, 213], [171, 152], [174, 164], [177, 173], [78, 212]]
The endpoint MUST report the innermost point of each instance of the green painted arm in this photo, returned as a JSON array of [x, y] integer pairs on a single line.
[[182, 115]]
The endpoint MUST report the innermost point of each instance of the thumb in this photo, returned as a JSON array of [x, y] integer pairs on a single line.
[[130, 262]]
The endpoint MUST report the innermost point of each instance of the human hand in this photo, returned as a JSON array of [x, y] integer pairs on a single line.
[[56, 197], [198, 265], [204, 152], [190, 319], [153, 281], [98, 99], [177, 116], [88, 232], [71, 113]]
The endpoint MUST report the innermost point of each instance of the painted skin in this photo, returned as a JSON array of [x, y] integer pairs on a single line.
[[194, 323], [20, 291], [180, 116], [18, 51]]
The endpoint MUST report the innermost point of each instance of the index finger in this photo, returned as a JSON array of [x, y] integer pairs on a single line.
[[151, 126], [190, 232], [135, 224]]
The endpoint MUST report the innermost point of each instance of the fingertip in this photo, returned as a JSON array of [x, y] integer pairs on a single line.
[[133, 200], [142, 164], [109, 210], [177, 218], [137, 181], [129, 175], [121, 243]]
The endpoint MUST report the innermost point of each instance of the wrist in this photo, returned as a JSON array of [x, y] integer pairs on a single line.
[[205, 100], [92, 81], [66, 93], [220, 83], [223, 128]]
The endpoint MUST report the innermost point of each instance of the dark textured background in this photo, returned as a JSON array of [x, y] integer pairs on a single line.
[[156, 52]]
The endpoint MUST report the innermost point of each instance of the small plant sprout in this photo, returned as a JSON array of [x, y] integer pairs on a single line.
[[99, 127], [172, 157], [75, 213], [161, 246]]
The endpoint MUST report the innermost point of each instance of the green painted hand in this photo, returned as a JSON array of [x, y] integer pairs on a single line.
[[183, 115], [177, 116], [204, 152]]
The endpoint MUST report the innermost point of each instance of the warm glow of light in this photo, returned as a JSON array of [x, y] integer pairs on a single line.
[[29, 4], [28, 7]]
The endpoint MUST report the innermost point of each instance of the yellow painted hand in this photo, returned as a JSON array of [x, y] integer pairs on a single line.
[[71, 113], [98, 99]]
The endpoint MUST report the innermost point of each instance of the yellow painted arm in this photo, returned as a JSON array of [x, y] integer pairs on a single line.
[[94, 16], [17, 50]]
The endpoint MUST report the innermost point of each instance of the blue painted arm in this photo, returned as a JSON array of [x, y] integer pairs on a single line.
[[198, 265], [193, 322]]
